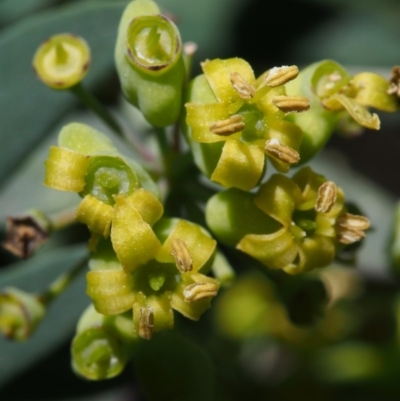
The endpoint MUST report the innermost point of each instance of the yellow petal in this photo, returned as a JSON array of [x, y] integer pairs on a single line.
[[132, 238], [95, 214], [65, 169], [240, 165]]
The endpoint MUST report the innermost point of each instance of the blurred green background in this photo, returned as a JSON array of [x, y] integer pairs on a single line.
[[362, 35]]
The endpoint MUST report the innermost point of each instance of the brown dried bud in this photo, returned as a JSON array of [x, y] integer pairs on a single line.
[[350, 228], [196, 291], [394, 86], [327, 194], [229, 126], [281, 75], [146, 322], [241, 86], [289, 104], [281, 152], [24, 234], [181, 254]]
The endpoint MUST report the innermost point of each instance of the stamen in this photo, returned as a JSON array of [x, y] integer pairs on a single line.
[[350, 228], [146, 322], [196, 291], [290, 104], [281, 75], [327, 194], [241, 86], [181, 254], [229, 126], [282, 152]]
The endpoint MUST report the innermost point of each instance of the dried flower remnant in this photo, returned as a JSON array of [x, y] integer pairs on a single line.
[[24, 234], [394, 86]]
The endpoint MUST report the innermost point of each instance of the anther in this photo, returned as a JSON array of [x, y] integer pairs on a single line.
[[290, 104], [181, 254], [196, 291], [327, 194], [350, 228], [282, 152], [394, 86], [281, 75], [229, 126], [241, 86], [146, 322]]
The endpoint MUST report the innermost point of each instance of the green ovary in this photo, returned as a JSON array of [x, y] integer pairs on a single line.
[[253, 122]]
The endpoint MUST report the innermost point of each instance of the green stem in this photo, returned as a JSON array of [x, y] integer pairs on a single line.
[[89, 100], [62, 282], [62, 219], [164, 148]]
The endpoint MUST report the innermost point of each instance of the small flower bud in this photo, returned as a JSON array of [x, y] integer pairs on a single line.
[[24, 234], [196, 291], [62, 61], [20, 313], [327, 194]]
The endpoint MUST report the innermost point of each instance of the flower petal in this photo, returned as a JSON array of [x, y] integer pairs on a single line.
[[240, 165]]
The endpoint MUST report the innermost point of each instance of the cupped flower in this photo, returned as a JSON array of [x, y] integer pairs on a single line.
[[173, 278], [149, 62], [20, 313], [336, 95], [102, 345], [86, 162], [62, 61], [291, 224], [236, 120]]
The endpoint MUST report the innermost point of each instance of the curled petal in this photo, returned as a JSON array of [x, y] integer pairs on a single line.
[[218, 73], [278, 198], [148, 206], [197, 241], [315, 252], [359, 113], [65, 169], [275, 251], [133, 239], [201, 116], [240, 165], [110, 291], [96, 215]]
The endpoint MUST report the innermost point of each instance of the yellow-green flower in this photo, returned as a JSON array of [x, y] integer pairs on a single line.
[[173, 278], [88, 163], [290, 224], [239, 121]]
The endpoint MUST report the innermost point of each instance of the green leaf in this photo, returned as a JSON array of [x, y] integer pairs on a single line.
[[170, 367], [59, 323]]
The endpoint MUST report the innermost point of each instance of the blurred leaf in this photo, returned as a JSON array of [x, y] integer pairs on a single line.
[[34, 275], [11, 10], [28, 109], [172, 368]]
